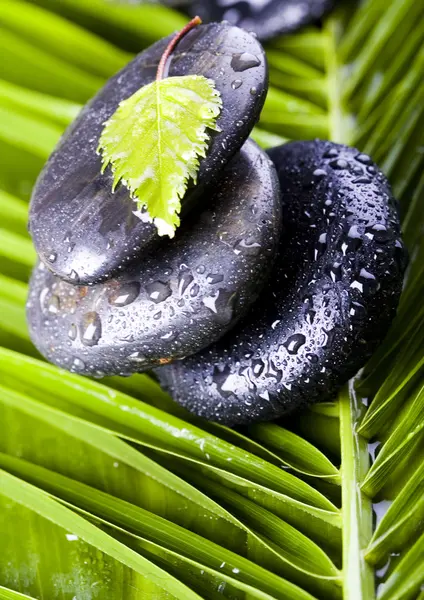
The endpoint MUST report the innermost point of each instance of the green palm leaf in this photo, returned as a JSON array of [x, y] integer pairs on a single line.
[[109, 490]]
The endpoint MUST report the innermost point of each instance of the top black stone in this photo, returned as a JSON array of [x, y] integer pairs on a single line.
[[85, 233]]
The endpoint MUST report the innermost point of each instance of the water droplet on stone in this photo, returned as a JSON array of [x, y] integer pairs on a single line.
[[225, 381], [137, 357], [53, 304], [221, 304], [158, 291], [73, 276], [364, 159], [339, 164], [236, 84], [253, 91], [244, 61], [78, 365], [91, 329], [248, 246], [313, 358], [72, 332], [362, 179], [368, 280], [380, 232], [213, 278], [357, 311], [331, 153], [184, 281], [194, 290], [124, 294], [319, 173], [52, 257], [201, 269], [335, 271], [294, 343]]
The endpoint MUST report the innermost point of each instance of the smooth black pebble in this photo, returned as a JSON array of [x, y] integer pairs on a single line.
[[82, 231], [178, 300], [266, 18], [330, 299]]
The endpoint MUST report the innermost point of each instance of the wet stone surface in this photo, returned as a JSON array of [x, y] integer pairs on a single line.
[[82, 231], [266, 18], [328, 302], [179, 299]]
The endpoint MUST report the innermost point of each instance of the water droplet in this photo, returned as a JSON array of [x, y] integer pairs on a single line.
[[357, 311], [321, 246], [72, 332], [194, 290], [78, 365], [363, 158], [71, 247], [310, 316], [236, 84], [221, 304], [53, 304], [248, 246], [213, 278], [52, 257], [124, 294], [331, 153], [319, 173], [339, 164], [225, 381], [168, 336], [91, 329], [157, 315], [73, 276], [294, 343], [158, 291], [357, 285], [201, 269], [354, 238], [335, 271], [244, 61], [368, 279], [184, 281], [380, 232], [362, 179], [253, 91], [137, 357]]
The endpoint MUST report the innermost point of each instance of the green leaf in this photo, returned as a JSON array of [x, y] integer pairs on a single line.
[[6, 594], [41, 503], [154, 141], [407, 577]]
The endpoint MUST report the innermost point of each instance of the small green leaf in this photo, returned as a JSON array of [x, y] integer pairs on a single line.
[[154, 140]]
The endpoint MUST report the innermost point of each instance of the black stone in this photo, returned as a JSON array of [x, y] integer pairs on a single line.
[[267, 19], [81, 230], [329, 301], [176, 301]]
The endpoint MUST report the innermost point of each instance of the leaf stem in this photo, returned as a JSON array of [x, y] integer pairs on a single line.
[[358, 577], [171, 46]]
